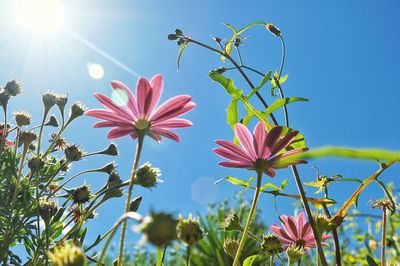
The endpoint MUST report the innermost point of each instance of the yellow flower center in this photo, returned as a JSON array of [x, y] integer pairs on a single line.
[[142, 124]]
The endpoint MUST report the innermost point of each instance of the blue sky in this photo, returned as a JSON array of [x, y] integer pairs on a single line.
[[341, 55]]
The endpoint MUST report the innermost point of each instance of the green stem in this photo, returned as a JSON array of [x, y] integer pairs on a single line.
[[188, 253], [338, 257], [271, 260], [383, 245], [47, 242], [128, 199], [41, 131], [236, 261]]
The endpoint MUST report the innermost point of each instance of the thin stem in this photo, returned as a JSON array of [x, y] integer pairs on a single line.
[[163, 254], [47, 242], [41, 131], [309, 215], [239, 69], [236, 261], [383, 245], [277, 81], [21, 165], [188, 253], [128, 199], [338, 257], [271, 260]]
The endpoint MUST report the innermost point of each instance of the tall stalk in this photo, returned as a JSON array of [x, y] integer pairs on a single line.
[[383, 244], [128, 198], [236, 261]]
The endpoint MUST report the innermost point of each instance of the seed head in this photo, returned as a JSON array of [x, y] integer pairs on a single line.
[[231, 247], [22, 118], [271, 245], [73, 153], [12, 88], [27, 138], [67, 254], [35, 164], [147, 176], [49, 100], [77, 109], [231, 222], [47, 209], [294, 253], [81, 194], [189, 231]]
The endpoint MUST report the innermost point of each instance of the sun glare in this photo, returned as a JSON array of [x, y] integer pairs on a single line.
[[40, 16], [96, 71]]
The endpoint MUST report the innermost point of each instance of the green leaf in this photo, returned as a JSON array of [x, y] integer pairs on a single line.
[[281, 80], [270, 186], [371, 261], [365, 154], [180, 53], [236, 34], [284, 184], [281, 102], [239, 182], [249, 260], [232, 113], [259, 86]]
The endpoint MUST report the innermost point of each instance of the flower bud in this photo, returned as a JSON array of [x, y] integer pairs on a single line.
[[231, 222], [81, 194], [322, 223], [67, 254], [274, 30], [64, 165], [158, 228], [35, 164], [135, 203], [113, 180], [77, 109], [178, 32], [12, 88], [52, 121], [189, 231], [231, 247], [217, 39], [61, 101], [271, 245], [27, 138], [73, 153], [49, 100], [172, 37], [22, 118], [47, 209], [110, 150], [237, 42], [147, 176], [108, 168], [294, 253]]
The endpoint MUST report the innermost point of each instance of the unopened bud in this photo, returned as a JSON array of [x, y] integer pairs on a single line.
[[61, 102], [73, 153], [231, 247], [178, 32], [113, 180], [271, 245], [22, 118], [110, 150], [294, 253], [77, 109], [12, 88], [67, 254], [231, 222], [147, 176], [274, 30], [47, 209], [108, 168], [189, 231], [52, 121], [27, 138], [135, 203], [81, 194], [172, 37], [49, 100], [35, 164]]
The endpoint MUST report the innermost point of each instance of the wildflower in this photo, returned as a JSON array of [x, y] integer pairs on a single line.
[[135, 203], [47, 209], [231, 222], [147, 176], [139, 115], [271, 245], [73, 153], [59, 143], [81, 194], [231, 246], [22, 118], [296, 231], [189, 231], [158, 228], [274, 30], [260, 150], [295, 253], [67, 254]]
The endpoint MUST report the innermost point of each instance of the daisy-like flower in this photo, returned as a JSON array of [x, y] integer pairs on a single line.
[[296, 231], [138, 115], [259, 151]]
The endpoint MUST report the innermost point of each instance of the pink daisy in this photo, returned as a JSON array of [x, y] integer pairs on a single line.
[[139, 113], [296, 231], [260, 150]]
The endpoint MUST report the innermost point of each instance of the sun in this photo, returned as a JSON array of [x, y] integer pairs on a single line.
[[40, 16]]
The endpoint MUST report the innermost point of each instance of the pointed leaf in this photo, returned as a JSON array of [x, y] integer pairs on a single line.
[[249, 260], [232, 114], [180, 53]]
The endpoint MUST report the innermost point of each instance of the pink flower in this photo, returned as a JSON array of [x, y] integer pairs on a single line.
[[259, 150], [139, 114], [296, 231]]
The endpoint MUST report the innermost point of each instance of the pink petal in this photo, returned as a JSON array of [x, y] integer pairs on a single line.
[[173, 123], [292, 223], [228, 154], [270, 172], [300, 221], [108, 115], [306, 232], [273, 136], [106, 124], [235, 164], [245, 139], [280, 232], [108, 103], [173, 107], [144, 95], [119, 132], [235, 149], [165, 133], [132, 104], [154, 136], [259, 134], [157, 85], [285, 141]]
